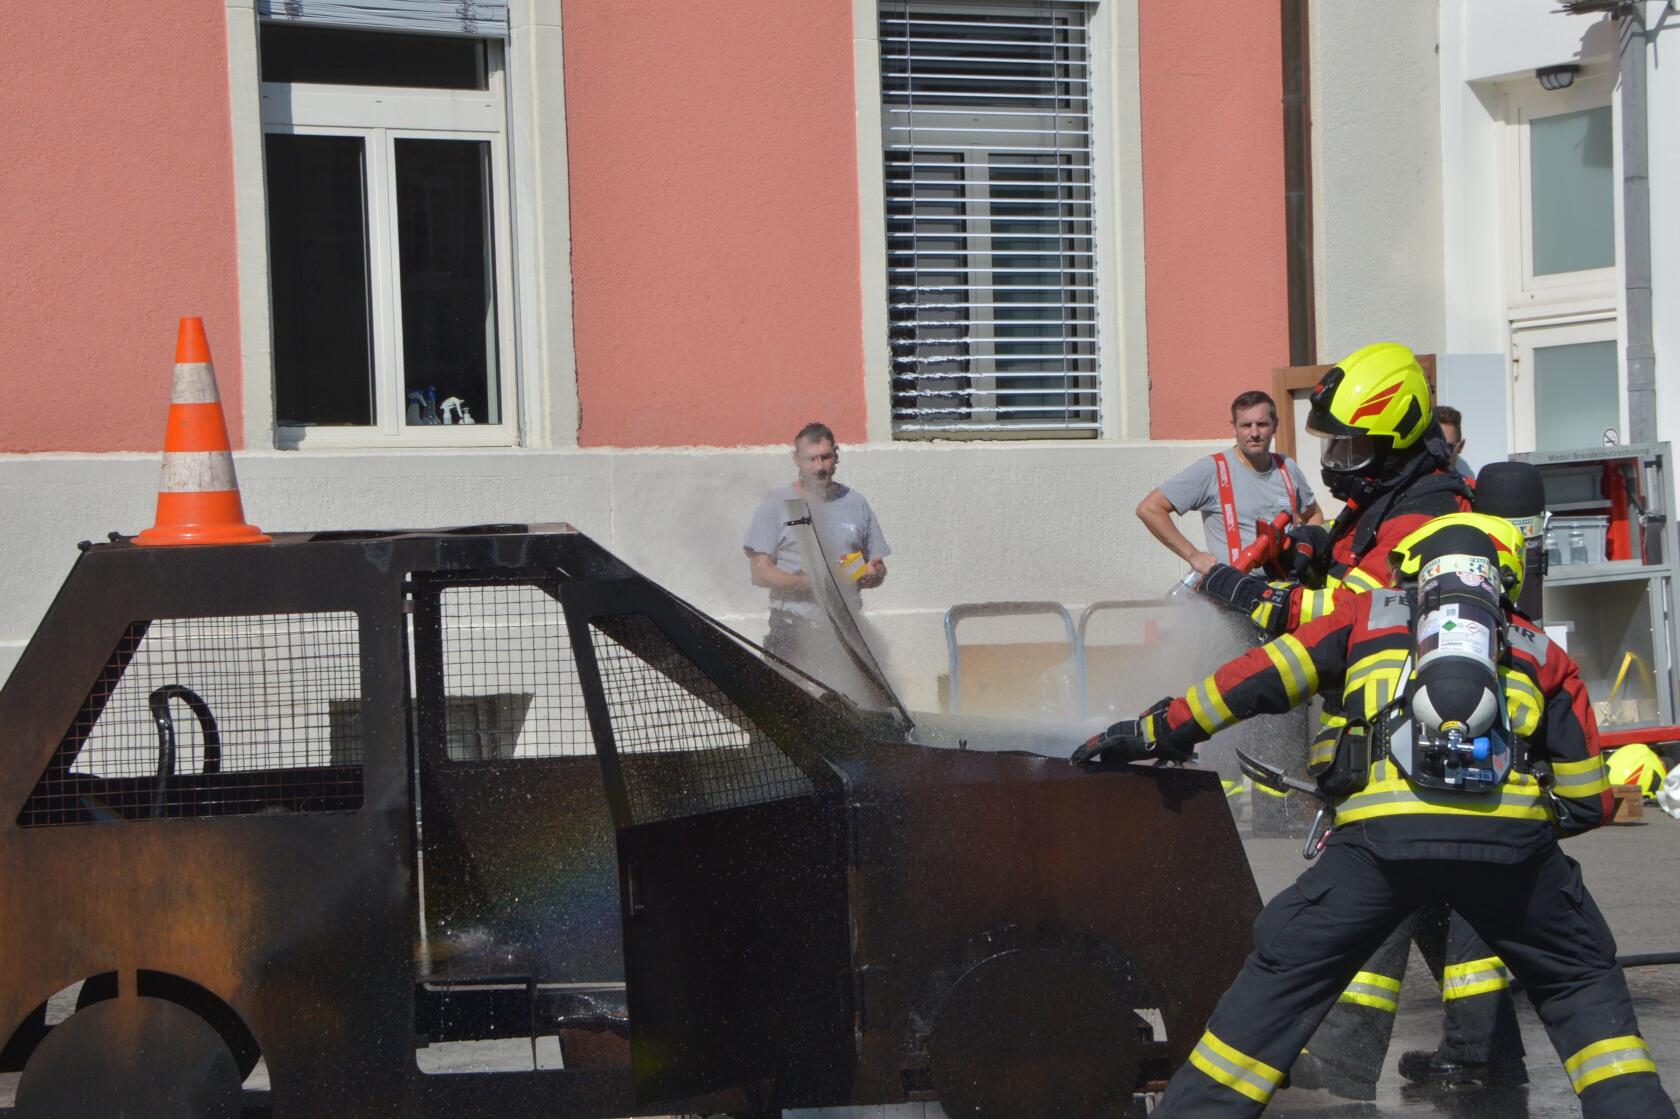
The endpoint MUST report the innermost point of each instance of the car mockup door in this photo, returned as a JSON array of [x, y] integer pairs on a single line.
[[731, 855]]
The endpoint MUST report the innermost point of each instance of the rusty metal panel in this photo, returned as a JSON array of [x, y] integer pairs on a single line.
[[764, 996], [302, 924], [589, 781], [720, 829], [988, 870]]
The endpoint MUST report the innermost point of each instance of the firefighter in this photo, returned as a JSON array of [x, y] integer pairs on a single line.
[[1481, 1045], [1469, 747], [1385, 457]]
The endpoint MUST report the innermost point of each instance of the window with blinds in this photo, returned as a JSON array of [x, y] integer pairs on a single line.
[[991, 241]]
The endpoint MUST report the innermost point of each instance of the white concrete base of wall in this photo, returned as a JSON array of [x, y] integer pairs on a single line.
[[967, 523]]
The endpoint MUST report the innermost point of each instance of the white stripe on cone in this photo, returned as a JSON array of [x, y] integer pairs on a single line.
[[197, 472], [195, 383]]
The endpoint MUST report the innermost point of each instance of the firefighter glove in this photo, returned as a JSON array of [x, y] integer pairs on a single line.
[[1305, 549], [1132, 740], [1265, 604]]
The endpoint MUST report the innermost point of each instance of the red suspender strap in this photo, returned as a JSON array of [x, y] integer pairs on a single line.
[[1289, 485], [1228, 507]]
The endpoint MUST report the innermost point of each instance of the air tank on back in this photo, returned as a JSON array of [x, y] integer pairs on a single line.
[[1461, 740]]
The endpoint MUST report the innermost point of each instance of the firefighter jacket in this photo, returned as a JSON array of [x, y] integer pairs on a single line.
[[1360, 542], [1356, 653]]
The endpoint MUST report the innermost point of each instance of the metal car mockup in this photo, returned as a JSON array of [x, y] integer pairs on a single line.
[[482, 821]]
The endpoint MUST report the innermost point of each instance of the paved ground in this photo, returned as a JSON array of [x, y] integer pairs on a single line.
[[1633, 870]]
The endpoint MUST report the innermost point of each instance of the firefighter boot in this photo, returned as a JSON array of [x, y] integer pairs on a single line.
[[1431, 1067], [1312, 1072]]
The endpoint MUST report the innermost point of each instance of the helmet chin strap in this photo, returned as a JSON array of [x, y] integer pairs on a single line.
[[1355, 489]]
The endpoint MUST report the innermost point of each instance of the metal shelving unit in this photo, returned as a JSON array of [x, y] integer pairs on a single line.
[[1616, 616]]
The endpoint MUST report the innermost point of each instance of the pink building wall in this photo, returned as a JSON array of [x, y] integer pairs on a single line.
[[1213, 215], [716, 295], [713, 177], [116, 218]]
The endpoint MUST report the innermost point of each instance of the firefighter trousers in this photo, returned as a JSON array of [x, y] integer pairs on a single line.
[[1311, 939], [1479, 1018]]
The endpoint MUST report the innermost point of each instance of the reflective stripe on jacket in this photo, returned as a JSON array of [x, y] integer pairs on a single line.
[[1367, 570], [1356, 653]]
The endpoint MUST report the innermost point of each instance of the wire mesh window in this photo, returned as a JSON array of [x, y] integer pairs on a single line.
[[991, 242], [684, 747], [196, 717], [510, 681]]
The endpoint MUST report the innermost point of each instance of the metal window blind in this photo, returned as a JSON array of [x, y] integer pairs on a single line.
[[487, 18], [991, 241]]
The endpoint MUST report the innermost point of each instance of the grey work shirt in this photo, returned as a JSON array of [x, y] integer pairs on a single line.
[[844, 524], [1259, 496]]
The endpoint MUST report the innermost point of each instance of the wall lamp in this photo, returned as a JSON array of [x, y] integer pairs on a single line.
[[1557, 77]]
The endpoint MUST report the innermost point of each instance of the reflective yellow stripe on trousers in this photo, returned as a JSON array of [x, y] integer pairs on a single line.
[[1610, 1057], [1373, 989], [1474, 978], [1233, 1069]]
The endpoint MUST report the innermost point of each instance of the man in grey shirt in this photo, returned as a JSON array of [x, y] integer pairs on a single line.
[[1259, 485], [1232, 490], [850, 536], [1452, 430]]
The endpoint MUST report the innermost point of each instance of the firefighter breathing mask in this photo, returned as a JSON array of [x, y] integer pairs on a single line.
[[1348, 453], [1451, 729]]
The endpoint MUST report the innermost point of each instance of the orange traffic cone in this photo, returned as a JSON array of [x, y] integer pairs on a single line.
[[198, 497]]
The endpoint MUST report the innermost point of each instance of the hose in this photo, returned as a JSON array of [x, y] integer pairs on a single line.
[[1636, 960], [158, 702]]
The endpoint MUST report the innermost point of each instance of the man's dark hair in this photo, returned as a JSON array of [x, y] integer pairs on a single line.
[[815, 432], [1447, 414], [1249, 400]]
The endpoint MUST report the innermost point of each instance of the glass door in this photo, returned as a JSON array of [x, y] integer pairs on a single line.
[[1567, 386]]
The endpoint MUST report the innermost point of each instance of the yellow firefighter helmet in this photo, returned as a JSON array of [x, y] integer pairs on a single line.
[[1372, 403], [1637, 765], [1508, 544]]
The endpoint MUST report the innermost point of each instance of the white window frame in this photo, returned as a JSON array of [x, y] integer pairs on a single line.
[[383, 115], [1117, 173], [1532, 295], [1563, 330], [1561, 308]]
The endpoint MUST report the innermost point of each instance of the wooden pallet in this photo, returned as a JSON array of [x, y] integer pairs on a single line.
[[1630, 804]]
